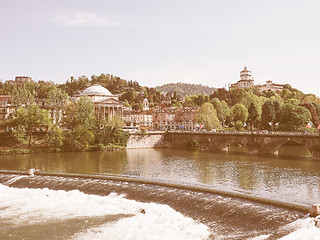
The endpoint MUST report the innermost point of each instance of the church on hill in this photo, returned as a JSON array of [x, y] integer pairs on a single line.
[[247, 81]]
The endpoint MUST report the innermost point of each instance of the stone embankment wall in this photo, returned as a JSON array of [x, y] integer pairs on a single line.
[[145, 141]]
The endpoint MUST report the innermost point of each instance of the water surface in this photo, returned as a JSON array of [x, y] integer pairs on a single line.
[[282, 178]]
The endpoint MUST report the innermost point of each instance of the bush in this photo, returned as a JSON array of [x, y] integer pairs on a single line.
[[193, 143], [239, 125]]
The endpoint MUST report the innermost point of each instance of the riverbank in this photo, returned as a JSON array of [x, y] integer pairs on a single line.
[[17, 150], [42, 143]]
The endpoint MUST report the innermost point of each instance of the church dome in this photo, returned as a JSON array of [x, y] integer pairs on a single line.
[[96, 90]]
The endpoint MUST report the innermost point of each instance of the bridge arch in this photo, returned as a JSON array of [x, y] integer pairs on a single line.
[[237, 146], [293, 149]]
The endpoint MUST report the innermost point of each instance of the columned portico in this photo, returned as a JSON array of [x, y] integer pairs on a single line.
[[107, 105]]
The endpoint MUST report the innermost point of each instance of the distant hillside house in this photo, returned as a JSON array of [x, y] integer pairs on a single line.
[[20, 80], [270, 86], [246, 80], [106, 104]]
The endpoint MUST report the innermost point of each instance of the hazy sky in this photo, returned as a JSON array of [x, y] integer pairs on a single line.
[[157, 42]]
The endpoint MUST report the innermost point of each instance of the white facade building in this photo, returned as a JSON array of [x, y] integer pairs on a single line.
[[106, 104], [270, 86], [246, 79]]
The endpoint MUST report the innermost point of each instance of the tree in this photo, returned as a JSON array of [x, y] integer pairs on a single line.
[[188, 102], [137, 106], [55, 102], [81, 120], [207, 116], [294, 118], [277, 110], [28, 120], [82, 137], [252, 115], [310, 98], [201, 99], [247, 97], [238, 125], [157, 97], [234, 96], [111, 133], [42, 88], [22, 96], [239, 112], [85, 112], [221, 94], [222, 109], [129, 96], [268, 115], [56, 136]]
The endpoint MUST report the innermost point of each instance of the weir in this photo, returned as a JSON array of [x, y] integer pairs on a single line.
[[198, 188], [76, 203]]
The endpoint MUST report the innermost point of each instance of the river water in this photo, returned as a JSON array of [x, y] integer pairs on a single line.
[[64, 207]]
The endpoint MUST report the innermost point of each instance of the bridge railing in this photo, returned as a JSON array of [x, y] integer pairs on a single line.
[[263, 132]]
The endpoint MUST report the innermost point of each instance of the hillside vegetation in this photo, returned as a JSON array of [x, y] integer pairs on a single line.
[[183, 89]]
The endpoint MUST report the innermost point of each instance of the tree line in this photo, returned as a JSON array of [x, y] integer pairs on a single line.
[[251, 109], [68, 124], [239, 109]]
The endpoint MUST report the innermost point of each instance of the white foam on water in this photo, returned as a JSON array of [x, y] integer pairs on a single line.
[[261, 237], [158, 222], [24, 206], [12, 180], [303, 229]]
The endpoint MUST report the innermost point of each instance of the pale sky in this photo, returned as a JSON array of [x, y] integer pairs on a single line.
[[157, 42]]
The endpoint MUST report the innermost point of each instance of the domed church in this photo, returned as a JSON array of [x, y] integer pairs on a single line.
[[246, 79], [106, 104]]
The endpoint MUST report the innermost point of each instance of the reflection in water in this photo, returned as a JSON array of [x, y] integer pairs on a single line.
[[288, 179], [291, 149]]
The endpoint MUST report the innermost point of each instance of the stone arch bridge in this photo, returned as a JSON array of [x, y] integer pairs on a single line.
[[255, 142]]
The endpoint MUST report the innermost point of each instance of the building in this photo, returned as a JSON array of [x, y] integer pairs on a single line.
[[246, 80], [139, 119], [22, 79], [106, 104], [6, 108], [185, 118], [162, 119], [270, 86], [174, 119]]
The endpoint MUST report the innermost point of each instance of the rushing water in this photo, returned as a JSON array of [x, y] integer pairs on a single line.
[[114, 211]]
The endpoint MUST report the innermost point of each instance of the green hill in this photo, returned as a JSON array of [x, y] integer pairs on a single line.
[[185, 89]]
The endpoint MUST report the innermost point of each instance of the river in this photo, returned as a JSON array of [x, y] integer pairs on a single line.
[[65, 207]]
